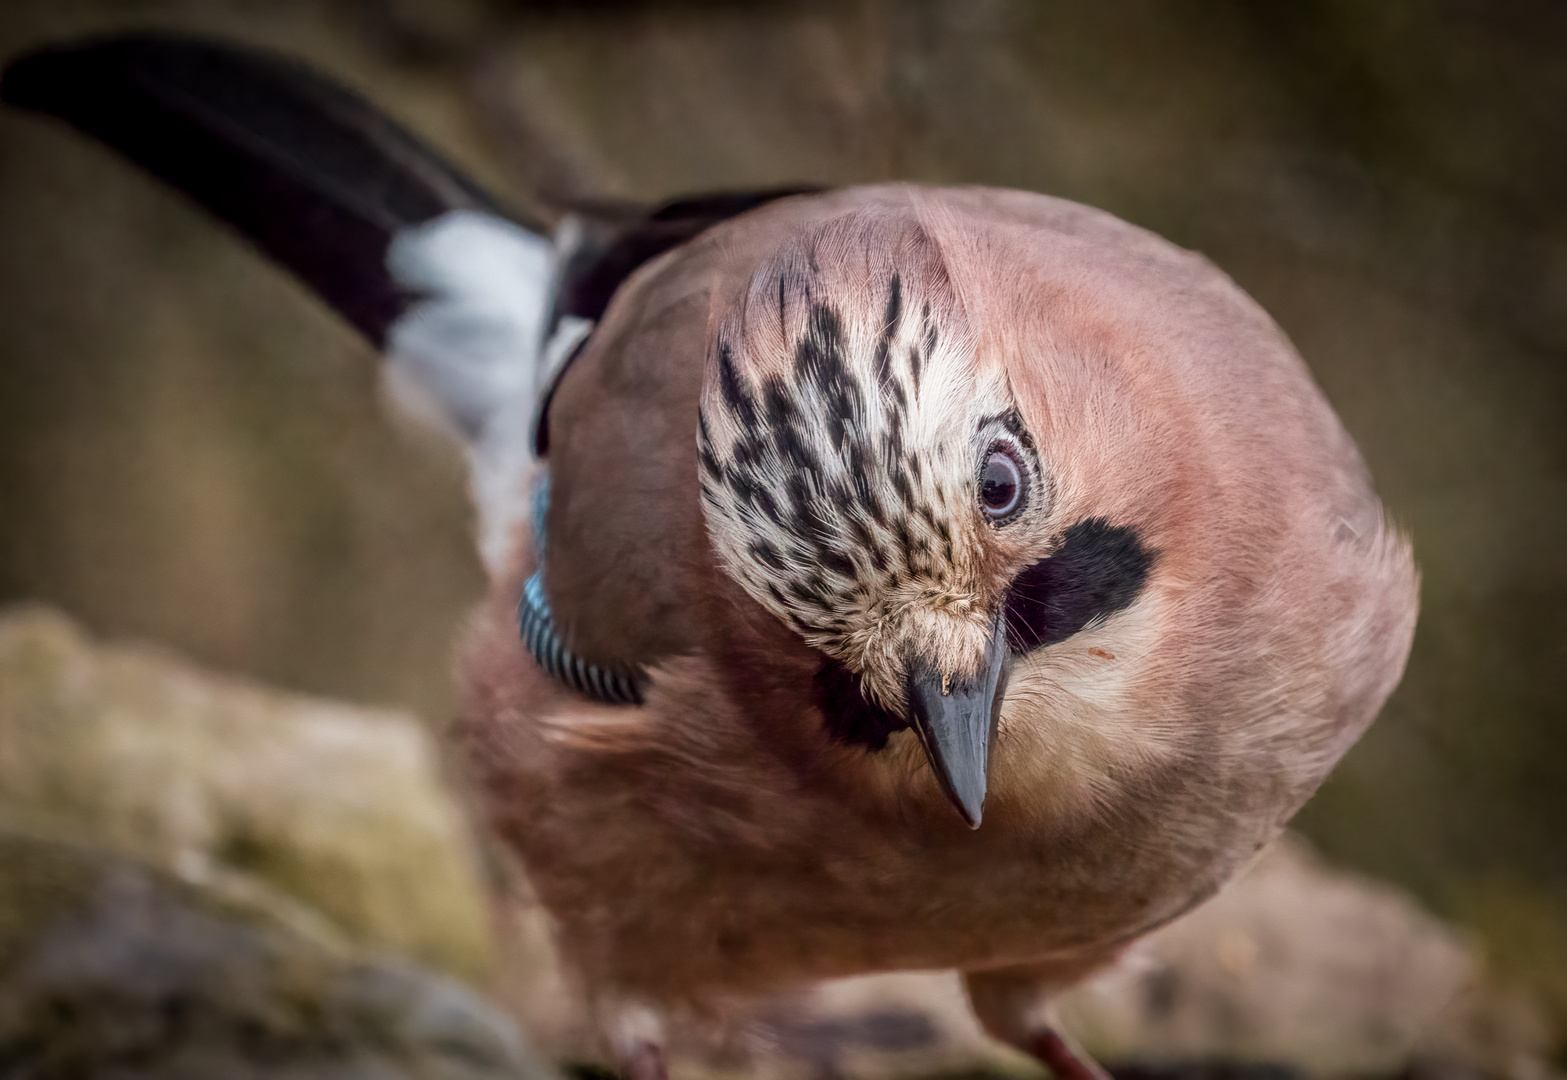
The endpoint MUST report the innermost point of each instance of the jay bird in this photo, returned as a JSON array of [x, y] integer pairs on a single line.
[[880, 578]]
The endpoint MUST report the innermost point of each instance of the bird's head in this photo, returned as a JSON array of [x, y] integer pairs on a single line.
[[869, 479]]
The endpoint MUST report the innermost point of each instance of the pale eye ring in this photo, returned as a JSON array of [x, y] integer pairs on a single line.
[[1003, 486]]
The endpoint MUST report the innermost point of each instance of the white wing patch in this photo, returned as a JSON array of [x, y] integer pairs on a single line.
[[472, 341], [472, 346]]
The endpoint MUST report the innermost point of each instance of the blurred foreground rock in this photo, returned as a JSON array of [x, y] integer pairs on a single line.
[[111, 968], [141, 754], [1294, 962], [200, 878]]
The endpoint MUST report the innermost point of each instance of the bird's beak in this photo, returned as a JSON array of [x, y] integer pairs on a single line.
[[956, 721]]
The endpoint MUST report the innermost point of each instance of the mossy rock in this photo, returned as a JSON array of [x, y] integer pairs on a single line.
[[110, 967], [135, 752]]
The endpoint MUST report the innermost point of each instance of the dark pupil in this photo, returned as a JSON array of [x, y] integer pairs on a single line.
[[998, 484]]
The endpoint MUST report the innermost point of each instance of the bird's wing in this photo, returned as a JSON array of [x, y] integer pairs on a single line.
[[600, 246], [478, 309]]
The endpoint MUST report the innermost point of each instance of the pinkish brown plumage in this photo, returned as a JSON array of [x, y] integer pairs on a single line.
[[718, 840]]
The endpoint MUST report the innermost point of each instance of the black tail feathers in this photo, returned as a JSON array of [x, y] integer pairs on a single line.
[[314, 175]]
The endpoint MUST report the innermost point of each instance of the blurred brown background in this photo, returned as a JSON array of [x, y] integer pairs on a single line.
[[192, 449]]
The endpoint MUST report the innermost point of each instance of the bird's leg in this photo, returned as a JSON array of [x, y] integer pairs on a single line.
[[636, 1033], [1051, 1049], [1013, 1004], [646, 1062]]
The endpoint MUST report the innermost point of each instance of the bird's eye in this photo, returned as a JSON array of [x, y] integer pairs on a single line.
[[1001, 485]]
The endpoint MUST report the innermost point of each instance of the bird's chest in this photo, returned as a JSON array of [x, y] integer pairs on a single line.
[[698, 888]]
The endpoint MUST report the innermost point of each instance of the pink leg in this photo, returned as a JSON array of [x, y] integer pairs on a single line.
[[1051, 1049], [1013, 1005], [646, 1062]]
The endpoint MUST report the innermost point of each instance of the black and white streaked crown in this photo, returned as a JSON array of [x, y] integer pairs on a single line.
[[837, 435]]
